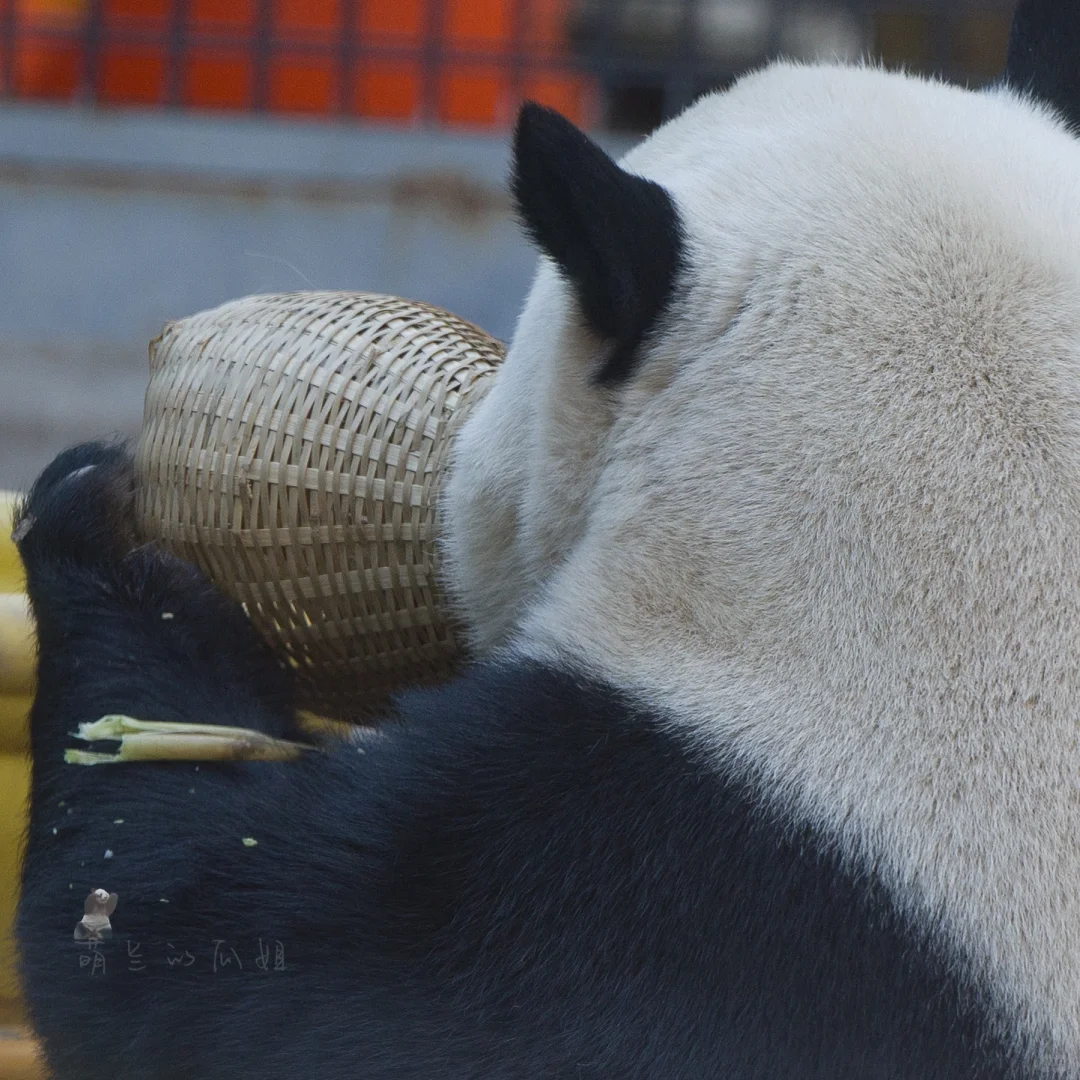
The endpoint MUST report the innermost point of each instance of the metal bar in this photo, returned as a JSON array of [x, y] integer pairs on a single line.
[[777, 13], [176, 49], [680, 85], [862, 13], [515, 56], [605, 50], [347, 47], [433, 58], [8, 32], [263, 47], [92, 41], [941, 31]]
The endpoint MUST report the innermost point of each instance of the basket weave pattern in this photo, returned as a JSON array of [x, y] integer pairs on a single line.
[[292, 448]]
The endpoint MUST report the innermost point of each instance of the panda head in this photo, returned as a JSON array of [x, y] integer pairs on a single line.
[[778, 326], [787, 444]]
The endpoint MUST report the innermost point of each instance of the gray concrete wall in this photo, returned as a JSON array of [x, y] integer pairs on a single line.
[[112, 223]]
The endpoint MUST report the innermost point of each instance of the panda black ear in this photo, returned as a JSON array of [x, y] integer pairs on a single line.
[[1044, 54], [617, 238]]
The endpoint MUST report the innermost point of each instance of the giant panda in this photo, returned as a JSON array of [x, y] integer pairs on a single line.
[[768, 540]]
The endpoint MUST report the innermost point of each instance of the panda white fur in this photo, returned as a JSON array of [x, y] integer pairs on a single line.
[[770, 532]]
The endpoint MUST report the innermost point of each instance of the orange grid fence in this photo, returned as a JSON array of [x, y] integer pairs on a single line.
[[458, 62]]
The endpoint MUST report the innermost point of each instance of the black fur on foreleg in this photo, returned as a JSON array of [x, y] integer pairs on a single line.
[[123, 627]]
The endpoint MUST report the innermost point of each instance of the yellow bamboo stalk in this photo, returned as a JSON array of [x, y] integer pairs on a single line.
[[20, 1058], [11, 569], [17, 660], [14, 792], [14, 725]]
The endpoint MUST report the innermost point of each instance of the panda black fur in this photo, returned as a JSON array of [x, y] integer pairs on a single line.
[[770, 531]]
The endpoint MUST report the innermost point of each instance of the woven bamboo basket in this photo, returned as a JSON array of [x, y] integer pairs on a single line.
[[292, 448]]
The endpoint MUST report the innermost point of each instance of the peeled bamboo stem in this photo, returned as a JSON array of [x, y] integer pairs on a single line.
[[149, 740]]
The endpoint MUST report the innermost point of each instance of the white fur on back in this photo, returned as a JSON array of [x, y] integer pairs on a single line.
[[833, 526]]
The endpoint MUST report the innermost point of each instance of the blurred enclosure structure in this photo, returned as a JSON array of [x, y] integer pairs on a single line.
[[161, 156], [621, 63]]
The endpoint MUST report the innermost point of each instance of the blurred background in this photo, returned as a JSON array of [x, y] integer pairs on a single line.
[[162, 156]]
